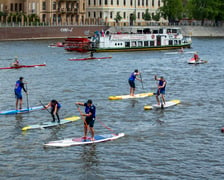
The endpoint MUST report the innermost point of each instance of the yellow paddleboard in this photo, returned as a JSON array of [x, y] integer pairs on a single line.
[[142, 95], [168, 104]]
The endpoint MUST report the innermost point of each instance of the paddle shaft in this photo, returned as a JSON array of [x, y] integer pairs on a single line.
[[27, 98], [81, 115], [45, 107], [141, 80]]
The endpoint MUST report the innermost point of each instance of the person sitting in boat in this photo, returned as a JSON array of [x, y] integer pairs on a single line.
[[15, 63], [196, 57], [91, 54]]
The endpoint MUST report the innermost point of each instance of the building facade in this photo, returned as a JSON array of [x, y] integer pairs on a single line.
[[79, 12]]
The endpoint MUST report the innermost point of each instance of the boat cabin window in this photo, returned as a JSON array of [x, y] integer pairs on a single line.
[[160, 31], [127, 44], [170, 42], [151, 43], [146, 43], [147, 31], [133, 43], [139, 43], [139, 31], [155, 31]]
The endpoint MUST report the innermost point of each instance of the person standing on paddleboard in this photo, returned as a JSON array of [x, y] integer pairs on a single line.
[[131, 81], [18, 92], [55, 107], [161, 89], [90, 114]]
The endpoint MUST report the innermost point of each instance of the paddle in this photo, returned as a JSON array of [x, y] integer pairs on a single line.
[[45, 107], [27, 99], [82, 117], [141, 80]]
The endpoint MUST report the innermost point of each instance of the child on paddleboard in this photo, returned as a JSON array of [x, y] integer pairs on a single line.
[[55, 107], [161, 89], [90, 114]]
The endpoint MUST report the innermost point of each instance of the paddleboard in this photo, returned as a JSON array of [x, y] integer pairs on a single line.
[[25, 110], [89, 58], [51, 124], [192, 61], [83, 141], [142, 95], [168, 104]]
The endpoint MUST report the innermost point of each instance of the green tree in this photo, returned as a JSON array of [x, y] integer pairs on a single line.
[[156, 17], [147, 16], [172, 10], [118, 17]]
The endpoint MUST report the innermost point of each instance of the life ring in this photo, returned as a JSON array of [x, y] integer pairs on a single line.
[[153, 36]]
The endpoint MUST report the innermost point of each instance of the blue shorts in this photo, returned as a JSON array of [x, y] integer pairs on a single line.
[[131, 83], [90, 122], [18, 95], [159, 91]]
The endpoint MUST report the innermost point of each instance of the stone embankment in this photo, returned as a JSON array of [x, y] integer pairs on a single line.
[[24, 33], [202, 31]]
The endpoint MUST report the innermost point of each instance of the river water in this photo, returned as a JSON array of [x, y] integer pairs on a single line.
[[181, 142]]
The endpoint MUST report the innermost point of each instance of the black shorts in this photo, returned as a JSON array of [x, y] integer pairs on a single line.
[[131, 83], [90, 122]]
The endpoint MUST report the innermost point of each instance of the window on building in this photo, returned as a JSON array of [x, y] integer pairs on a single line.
[[94, 14], [153, 3], [147, 2], [138, 15], [124, 15], [94, 2], [11, 7], [105, 2], [89, 2], [111, 15], [111, 2], [20, 7], [54, 5], [131, 3], [143, 2], [44, 17], [158, 3], [101, 14], [16, 7], [138, 2], [89, 14], [124, 2], [44, 6], [117, 2], [33, 7], [100, 2]]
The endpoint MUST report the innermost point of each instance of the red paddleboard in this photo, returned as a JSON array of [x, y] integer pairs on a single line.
[[89, 58]]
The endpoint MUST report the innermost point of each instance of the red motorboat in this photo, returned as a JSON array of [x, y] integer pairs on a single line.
[[77, 44]]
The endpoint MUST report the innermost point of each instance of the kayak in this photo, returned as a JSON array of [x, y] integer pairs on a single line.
[[142, 95], [51, 124], [20, 111], [192, 61], [83, 141], [23, 66], [89, 58], [168, 104]]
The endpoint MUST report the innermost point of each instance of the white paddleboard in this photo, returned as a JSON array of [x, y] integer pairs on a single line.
[[168, 104], [142, 95], [83, 141], [51, 124]]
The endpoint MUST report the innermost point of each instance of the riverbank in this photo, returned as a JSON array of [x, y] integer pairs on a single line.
[[53, 32]]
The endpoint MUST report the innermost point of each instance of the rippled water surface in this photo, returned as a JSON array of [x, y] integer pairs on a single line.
[[181, 142]]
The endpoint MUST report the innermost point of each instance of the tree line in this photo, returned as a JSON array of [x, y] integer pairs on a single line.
[[175, 10]]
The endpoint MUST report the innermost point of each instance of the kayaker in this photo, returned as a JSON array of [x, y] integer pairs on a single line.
[[161, 89], [15, 63], [55, 107], [131, 81], [18, 92], [90, 114]]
